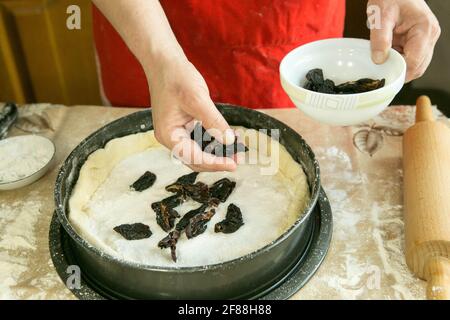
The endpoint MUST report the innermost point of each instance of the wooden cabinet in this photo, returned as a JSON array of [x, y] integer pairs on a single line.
[[41, 59]]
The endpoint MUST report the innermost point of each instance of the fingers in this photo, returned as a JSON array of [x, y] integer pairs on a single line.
[[177, 102], [418, 48], [212, 120], [416, 72], [414, 54], [190, 153], [416, 31], [381, 40]]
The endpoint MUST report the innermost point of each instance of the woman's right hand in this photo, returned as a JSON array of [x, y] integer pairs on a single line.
[[179, 95], [178, 91]]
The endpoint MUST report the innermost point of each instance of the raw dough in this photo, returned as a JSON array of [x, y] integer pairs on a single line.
[[102, 199]]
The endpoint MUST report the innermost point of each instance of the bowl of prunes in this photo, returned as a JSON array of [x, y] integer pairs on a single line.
[[336, 82]]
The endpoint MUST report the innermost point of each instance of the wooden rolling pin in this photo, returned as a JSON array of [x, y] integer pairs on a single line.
[[426, 170]]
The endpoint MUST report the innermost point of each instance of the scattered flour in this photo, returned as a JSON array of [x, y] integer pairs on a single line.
[[367, 249], [17, 243]]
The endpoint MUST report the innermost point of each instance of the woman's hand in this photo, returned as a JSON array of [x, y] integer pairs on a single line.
[[179, 95], [178, 91], [408, 26]]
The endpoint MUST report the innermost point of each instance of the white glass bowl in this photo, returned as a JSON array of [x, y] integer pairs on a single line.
[[32, 176], [342, 59]]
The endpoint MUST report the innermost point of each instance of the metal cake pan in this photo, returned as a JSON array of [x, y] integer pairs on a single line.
[[298, 276], [240, 278]]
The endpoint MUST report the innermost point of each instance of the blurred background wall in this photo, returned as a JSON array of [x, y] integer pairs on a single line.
[[44, 62], [41, 59]]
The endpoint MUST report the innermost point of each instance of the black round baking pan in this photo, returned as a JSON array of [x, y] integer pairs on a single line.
[[88, 289], [235, 279]]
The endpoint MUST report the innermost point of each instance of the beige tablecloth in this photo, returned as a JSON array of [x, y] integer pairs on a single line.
[[361, 173]]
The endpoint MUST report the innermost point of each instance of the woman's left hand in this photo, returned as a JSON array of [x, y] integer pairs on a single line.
[[410, 27]]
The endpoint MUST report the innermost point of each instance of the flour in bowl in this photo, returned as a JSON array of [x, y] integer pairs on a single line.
[[23, 156]]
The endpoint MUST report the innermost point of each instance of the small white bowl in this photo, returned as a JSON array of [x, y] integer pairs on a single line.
[[341, 59], [32, 177]]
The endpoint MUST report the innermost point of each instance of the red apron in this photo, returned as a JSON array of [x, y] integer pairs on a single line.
[[236, 45]]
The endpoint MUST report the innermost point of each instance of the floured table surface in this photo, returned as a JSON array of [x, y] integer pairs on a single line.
[[362, 180]]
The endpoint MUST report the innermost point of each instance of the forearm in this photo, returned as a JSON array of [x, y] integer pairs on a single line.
[[145, 29]]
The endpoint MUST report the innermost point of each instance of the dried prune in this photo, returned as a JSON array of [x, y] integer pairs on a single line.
[[213, 202], [198, 192], [165, 212], [315, 76], [165, 217], [177, 186], [201, 136], [229, 150], [326, 87], [185, 186], [184, 221], [170, 241], [197, 224], [232, 222], [361, 85], [135, 231], [188, 178], [309, 86], [222, 189], [144, 182], [317, 82], [211, 145], [174, 201], [194, 222]]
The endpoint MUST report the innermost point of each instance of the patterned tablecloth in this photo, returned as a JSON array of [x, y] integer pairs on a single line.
[[361, 173]]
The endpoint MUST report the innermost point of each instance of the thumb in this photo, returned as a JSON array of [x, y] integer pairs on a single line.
[[213, 121], [381, 41]]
